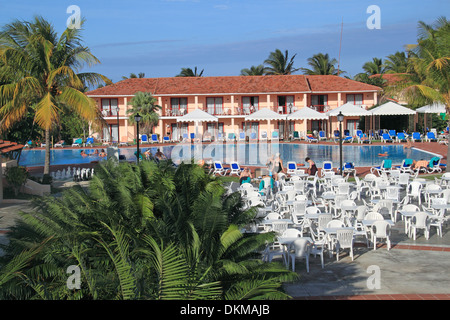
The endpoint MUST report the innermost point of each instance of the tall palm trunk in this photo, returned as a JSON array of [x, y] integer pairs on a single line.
[[47, 152]]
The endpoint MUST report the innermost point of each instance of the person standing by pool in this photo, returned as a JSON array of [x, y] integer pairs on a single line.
[[312, 169], [277, 166]]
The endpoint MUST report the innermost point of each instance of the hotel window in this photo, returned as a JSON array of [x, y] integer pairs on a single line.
[[285, 104], [250, 104], [109, 107], [319, 102], [214, 105], [356, 99], [178, 104]]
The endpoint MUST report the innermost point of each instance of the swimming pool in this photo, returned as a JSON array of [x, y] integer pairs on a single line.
[[253, 154]]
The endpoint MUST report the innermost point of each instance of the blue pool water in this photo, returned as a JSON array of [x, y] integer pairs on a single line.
[[246, 154]]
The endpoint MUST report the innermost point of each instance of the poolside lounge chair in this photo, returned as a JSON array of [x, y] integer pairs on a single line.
[[231, 136], [235, 168], [392, 134], [296, 136], [77, 142], [348, 139], [336, 135], [241, 136], [166, 139], [385, 137], [310, 139], [406, 166], [219, 168], [327, 166], [430, 137], [385, 166], [434, 165], [185, 137], [416, 136], [253, 136], [28, 144], [349, 168], [401, 137], [363, 138], [291, 168], [322, 135], [90, 141], [263, 135], [144, 138], [154, 138], [60, 144], [192, 136], [275, 135], [220, 136]]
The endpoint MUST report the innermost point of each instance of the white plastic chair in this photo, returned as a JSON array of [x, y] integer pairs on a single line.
[[344, 240], [419, 221], [381, 230], [414, 190], [300, 249]]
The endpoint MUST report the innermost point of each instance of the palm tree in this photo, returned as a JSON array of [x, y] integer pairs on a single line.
[[321, 65], [188, 72], [147, 231], [280, 64], [373, 67], [145, 104], [253, 71], [429, 78], [42, 73], [396, 63], [133, 75]]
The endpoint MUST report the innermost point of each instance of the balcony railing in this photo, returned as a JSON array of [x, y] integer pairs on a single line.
[[109, 113]]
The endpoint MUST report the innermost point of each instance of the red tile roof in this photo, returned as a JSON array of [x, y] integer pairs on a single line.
[[392, 77], [232, 84], [7, 146]]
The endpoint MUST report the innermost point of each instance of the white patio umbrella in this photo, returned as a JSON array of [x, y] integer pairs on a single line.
[[437, 107], [265, 114], [197, 116], [306, 113], [349, 110], [392, 109]]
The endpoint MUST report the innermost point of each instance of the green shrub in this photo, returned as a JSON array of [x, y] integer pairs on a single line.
[[16, 177]]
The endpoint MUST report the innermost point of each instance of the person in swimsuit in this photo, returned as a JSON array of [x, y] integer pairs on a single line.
[[277, 166], [312, 166]]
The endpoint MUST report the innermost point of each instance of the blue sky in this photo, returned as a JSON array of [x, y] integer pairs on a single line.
[[159, 37]]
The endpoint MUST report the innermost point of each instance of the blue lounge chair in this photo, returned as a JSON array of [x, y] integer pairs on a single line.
[[386, 166], [219, 168], [155, 138], [192, 136], [185, 137], [311, 139], [348, 139], [235, 168], [416, 136], [401, 137], [275, 135], [89, 141], [291, 168], [220, 136], [406, 166], [327, 166], [77, 142], [322, 135], [430, 137], [241, 136], [434, 165], [386, 138], [144, 138], [166, 139], [349, 168], [253, 136], [296, 136], [392, 134]]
